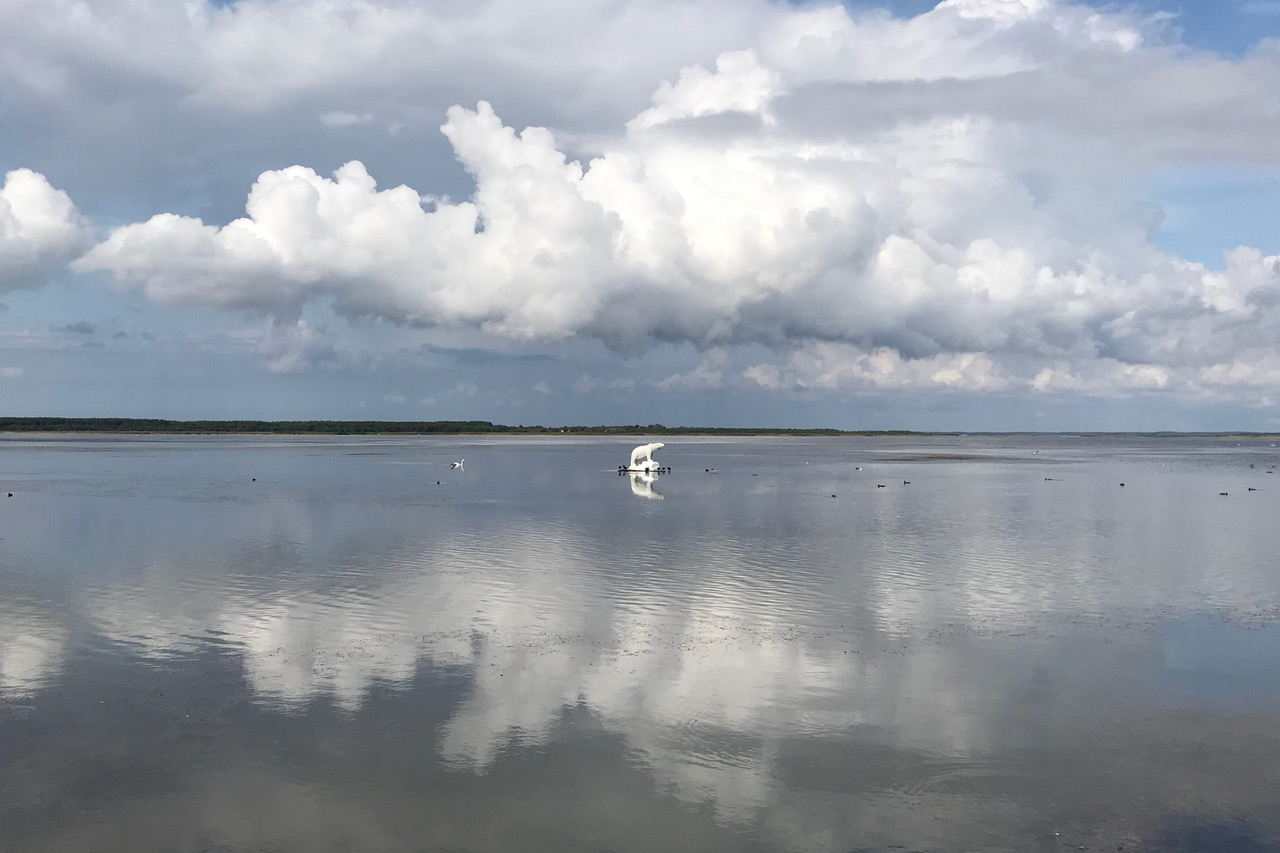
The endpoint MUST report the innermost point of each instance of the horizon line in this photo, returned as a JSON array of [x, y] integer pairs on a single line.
[[251, 426]]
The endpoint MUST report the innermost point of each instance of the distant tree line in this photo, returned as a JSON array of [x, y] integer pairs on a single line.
[[156, 425]]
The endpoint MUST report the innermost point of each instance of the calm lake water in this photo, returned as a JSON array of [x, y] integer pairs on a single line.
[[316, 644]]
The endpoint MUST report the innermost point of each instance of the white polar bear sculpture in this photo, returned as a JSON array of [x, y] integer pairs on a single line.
[[642, 458]]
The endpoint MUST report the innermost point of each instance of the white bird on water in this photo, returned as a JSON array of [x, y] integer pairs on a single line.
[[457, 464]]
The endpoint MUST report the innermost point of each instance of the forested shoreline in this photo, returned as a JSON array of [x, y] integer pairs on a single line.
[[245, 427]]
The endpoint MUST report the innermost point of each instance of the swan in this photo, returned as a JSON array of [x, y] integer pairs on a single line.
[[457, 464]]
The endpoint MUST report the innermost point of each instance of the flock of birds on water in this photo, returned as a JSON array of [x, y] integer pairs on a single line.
[[642, 462]]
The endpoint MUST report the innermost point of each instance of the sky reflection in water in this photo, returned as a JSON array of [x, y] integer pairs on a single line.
[[307, 643]]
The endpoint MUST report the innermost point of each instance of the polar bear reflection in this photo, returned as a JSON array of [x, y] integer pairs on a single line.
[[642, 485]]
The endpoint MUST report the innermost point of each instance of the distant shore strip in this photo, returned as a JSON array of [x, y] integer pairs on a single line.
[[160, 426], [157, 425]]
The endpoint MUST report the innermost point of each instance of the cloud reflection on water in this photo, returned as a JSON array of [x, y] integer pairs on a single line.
[[712, 639], [31, 650], [700, 673]]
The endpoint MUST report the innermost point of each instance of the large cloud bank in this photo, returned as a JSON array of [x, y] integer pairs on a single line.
[[943, 201]]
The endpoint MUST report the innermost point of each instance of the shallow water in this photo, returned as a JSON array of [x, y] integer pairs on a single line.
[[307, 644]]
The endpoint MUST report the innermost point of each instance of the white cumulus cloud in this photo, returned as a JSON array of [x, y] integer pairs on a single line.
[[40, 230]]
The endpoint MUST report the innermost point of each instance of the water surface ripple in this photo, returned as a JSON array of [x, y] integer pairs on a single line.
[[244, 643]]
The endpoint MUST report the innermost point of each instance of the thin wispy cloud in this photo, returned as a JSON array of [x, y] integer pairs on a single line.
[[1260, 7], [344, 119]]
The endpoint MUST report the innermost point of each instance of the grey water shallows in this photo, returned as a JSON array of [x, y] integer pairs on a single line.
[[854, 644]]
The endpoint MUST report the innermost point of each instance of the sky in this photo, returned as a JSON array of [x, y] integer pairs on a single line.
[[969, 215]]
